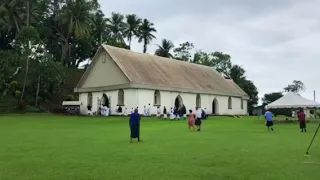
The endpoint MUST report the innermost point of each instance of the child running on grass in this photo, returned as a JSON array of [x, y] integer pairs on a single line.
[[191, 120]]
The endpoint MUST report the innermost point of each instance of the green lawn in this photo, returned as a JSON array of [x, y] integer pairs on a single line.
[[48, 147]]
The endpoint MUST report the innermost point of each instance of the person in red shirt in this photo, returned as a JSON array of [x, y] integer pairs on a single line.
[[302, 120]]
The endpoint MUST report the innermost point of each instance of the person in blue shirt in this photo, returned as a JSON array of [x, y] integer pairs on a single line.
[[269, 123]]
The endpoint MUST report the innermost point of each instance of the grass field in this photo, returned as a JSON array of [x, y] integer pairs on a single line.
[[48, 147]]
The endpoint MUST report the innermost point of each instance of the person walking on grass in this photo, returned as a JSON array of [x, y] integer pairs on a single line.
[[198, 120], [269, 122], [191, 120], [134, 123], [302, 120]]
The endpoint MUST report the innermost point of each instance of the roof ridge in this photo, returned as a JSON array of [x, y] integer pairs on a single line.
[[162, 58]]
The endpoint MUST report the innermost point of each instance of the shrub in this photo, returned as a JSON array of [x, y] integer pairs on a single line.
[[22, 105]]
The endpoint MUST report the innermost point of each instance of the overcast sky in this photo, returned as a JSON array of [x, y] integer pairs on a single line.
[[275, 41]]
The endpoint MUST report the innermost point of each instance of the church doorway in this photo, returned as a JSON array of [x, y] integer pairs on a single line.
[[105, 101], [178, 102], [215, 106]]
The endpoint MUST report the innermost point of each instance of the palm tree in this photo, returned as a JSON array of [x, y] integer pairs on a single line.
[[116, 26], [100, 26], [146, 29], [164, 49], [133, 23], [75, 20]]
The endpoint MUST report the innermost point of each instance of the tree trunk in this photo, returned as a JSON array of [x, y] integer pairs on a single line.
[[64, 50], [16, 24], [28, 13], [25, 78], [145, 46], [38, 89], [129, 43]]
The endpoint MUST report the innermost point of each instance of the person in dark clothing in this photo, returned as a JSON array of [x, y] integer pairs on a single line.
[[134, 124], [176, 113], [184, 112], [302, 120], [204, 114], [119, 110], [89, 107], [165, 114]]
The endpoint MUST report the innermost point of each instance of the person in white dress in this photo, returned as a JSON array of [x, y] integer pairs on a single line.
[[102, 110], [125, 112], [145, 111], [107, 110], [149, 110], [158, 112], [172, 116]]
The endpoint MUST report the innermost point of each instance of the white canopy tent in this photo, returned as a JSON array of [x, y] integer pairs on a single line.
[[293, 101]]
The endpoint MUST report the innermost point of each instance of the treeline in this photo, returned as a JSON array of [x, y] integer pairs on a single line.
[[43, 41]]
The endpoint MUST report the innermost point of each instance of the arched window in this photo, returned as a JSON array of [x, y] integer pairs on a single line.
[[89, 100], [198, 100], [157, 98], [241, 103], [120, 98], [229, 103]]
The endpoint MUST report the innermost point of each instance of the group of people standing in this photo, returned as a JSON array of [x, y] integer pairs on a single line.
[[301, 117], [194, 121]]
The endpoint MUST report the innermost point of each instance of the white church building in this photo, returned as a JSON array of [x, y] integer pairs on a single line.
[[120, 77]]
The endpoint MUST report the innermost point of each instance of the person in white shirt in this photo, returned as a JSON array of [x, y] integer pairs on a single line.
[[149, 110], [293, 114], [131, 112], [144, 111], [198, 120], [158, 112]]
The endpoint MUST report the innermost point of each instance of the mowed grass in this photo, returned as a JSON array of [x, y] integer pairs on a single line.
[[49, 147]]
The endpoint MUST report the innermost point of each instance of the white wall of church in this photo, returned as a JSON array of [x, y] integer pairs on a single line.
[[142, 97]]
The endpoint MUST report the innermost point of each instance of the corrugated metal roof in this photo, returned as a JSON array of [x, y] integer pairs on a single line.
[[151, 70]]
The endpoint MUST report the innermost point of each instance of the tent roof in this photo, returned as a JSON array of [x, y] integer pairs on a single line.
[[292, 100], [71, 103]]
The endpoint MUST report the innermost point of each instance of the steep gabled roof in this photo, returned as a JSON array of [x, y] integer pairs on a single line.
[[153, 71]]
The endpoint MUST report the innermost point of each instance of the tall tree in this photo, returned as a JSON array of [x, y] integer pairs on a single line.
[[100, 27], [270, 97], [146, 29], [165, 48], [221, 62], [133, 23], [237, 74], [183, 52], [74, 21], [116, 26], [296, 87], [27, 43], [203, 58]]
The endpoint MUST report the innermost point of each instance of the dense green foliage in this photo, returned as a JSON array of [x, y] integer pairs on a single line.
[[42, 147]]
